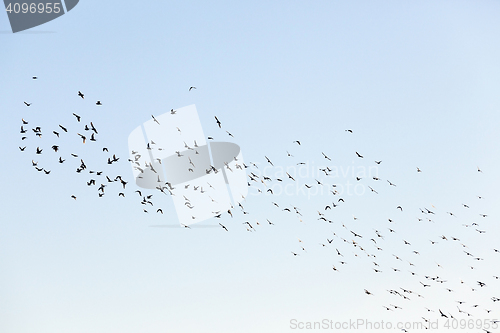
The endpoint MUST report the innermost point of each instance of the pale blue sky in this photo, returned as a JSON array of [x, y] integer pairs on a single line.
[[417, 82]]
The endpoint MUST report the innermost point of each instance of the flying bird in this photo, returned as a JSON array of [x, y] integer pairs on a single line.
[[80, 94], [83, 137], [156, 121], [218, 122]]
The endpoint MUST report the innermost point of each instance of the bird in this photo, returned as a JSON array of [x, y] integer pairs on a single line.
[[297, 142], [56, 133], [360, 156], [98, 103], [63, 128], [24, 121], [38, 150], [218, 122], [22, 148], [349, 130], [80, 94], [77, 117], [156, 121], [35, 77], [83, 137], [74, 197], [27, 104], [191, 88], [93, 128], [418, 169], [269, 161], [378, 162]]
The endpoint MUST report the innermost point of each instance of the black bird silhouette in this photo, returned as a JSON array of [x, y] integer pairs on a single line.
[[156, 121], [218, 122], [77, 117], [63, 128], [56, 133], [360, 156], [38, 150], [27, 104], [191, 88], [93, 128], [98, 103], [22, 148], [80, 94], [83, 137]]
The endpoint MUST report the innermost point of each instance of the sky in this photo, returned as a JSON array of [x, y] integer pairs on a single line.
[[416, 82]]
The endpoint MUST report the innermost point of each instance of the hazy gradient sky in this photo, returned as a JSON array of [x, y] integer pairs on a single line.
[[417, 82]]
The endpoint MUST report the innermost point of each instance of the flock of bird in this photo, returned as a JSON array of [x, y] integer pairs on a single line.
[[345, 242]]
